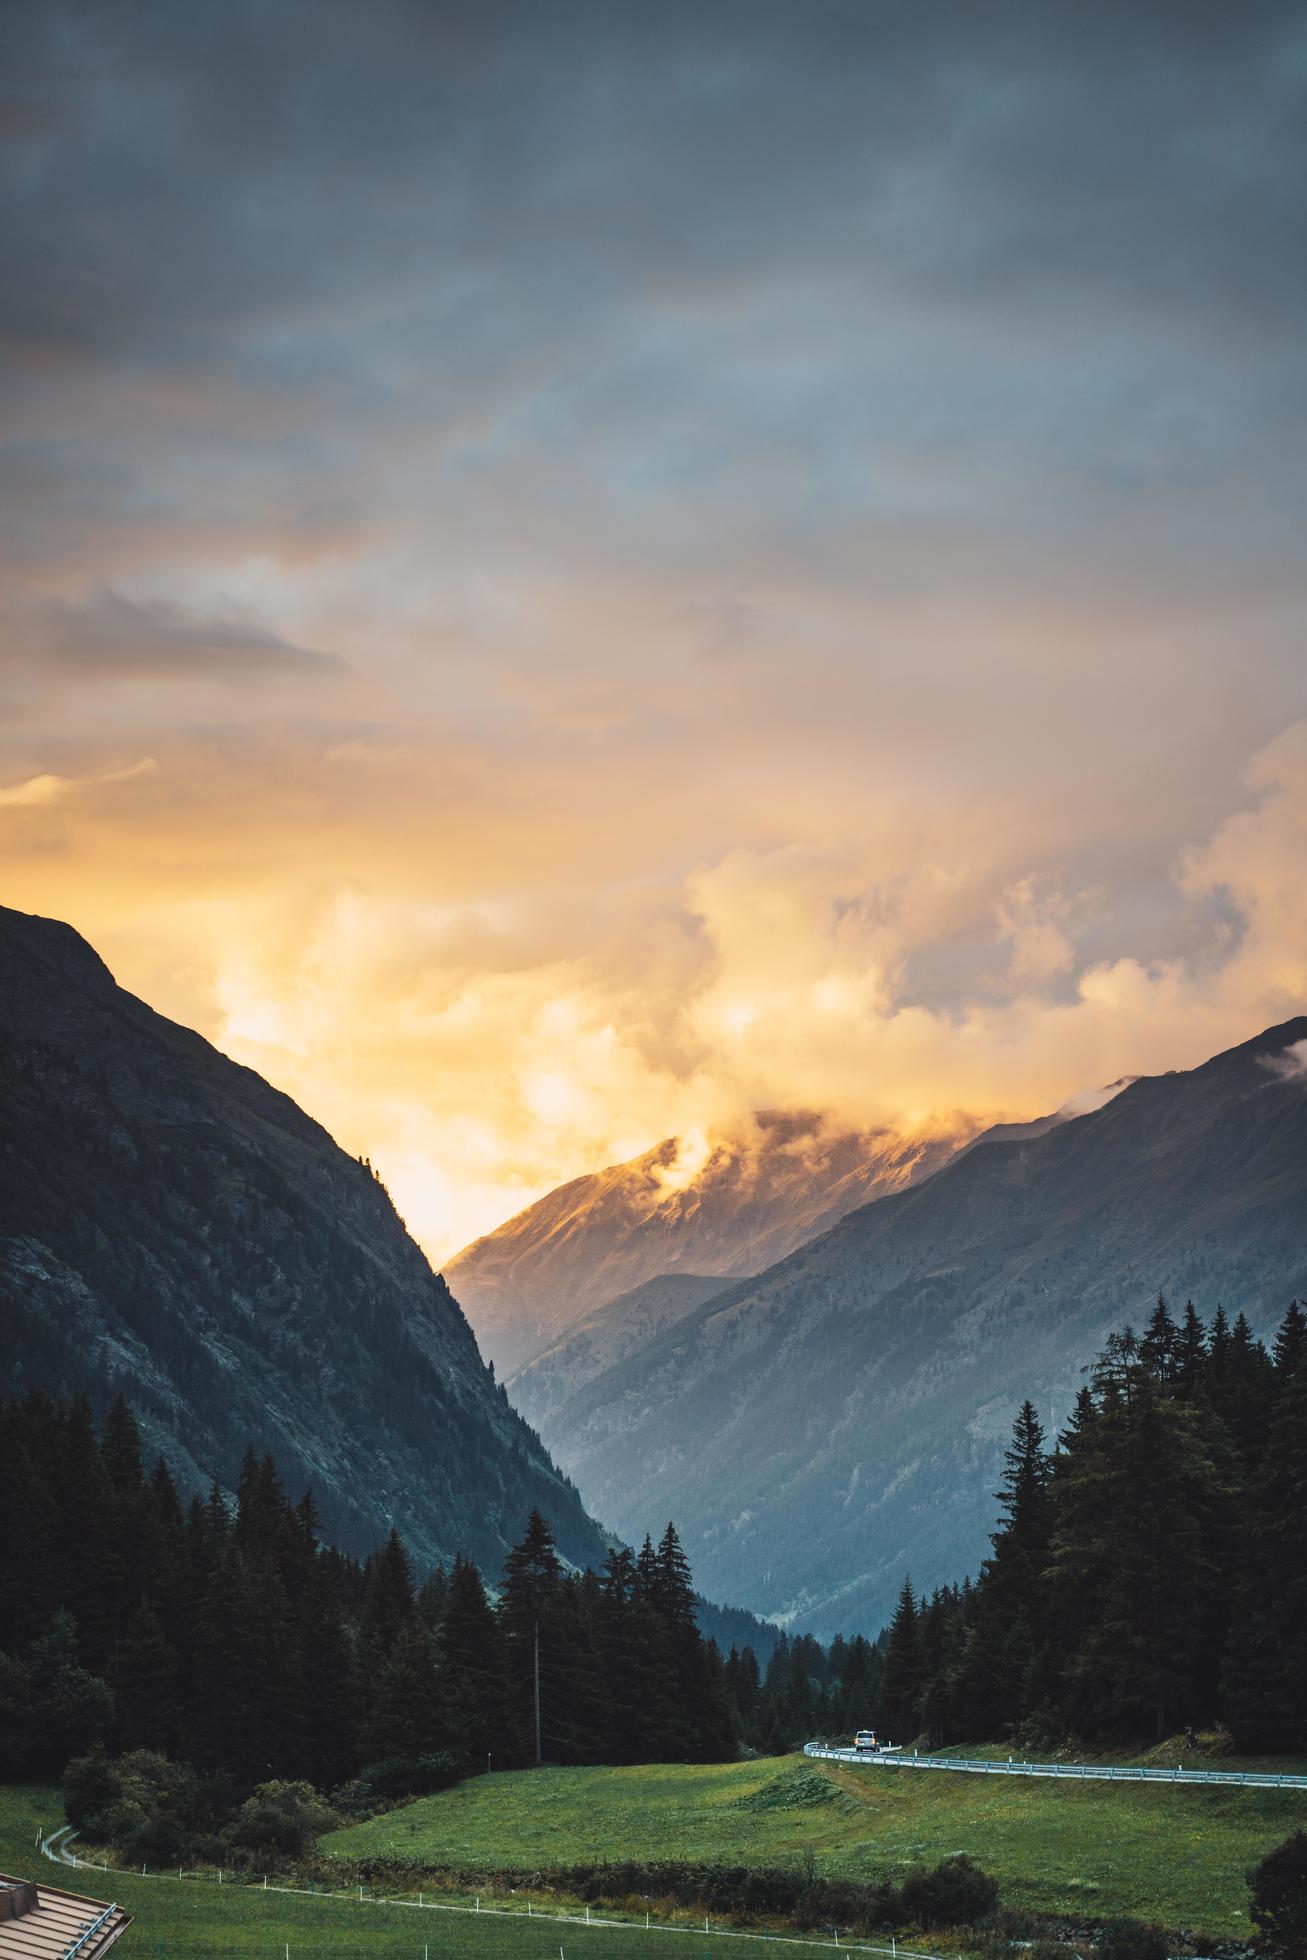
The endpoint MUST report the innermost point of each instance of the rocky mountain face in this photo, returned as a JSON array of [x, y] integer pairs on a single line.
[[172, 1226], [838, 1421], [754, 1199]]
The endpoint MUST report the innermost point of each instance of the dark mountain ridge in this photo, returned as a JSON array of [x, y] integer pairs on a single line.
[[174, 1227], [838, 1420]]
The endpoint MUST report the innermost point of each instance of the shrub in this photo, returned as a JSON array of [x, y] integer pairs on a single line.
[[150, 1809], [280, 1820], [386, 1783], [1129, 1939], [955, 1893], [1279, 1894]]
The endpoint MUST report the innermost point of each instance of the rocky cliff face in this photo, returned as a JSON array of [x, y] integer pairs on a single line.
[[173, 1226], [836, 1422], [753, 1199]]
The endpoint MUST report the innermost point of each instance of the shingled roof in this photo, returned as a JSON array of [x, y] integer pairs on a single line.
[[39, 1923]]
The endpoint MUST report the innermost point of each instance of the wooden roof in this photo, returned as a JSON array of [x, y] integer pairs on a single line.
[[39, 1923]]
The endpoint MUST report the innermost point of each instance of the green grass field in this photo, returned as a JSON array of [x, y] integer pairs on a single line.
[[193, 1920], [1164, 1853]]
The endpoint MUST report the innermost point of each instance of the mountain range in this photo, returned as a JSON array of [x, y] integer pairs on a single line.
[[837, 1421], [174, 1227], [733, 1209]]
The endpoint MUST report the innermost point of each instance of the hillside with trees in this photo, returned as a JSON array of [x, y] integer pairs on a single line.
[[174, 1227], [815, 1429], [233, 1638], [1148, 1573]]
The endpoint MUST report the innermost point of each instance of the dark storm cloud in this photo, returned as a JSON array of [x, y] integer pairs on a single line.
[[859, 288], [182, 173]]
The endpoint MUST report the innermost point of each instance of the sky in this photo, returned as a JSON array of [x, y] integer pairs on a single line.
[[571, 573]]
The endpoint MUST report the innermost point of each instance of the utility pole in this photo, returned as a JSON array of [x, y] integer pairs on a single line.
[[535, 1698]]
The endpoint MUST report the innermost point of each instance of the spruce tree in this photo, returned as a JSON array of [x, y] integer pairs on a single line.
[[410, 1709], [146, 1687], [473, 1660], [530, 1615], [388, 1604], [902, 1683], [1266, 1673]]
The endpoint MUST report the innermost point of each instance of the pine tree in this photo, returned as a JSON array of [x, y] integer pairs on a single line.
[[530, 1614], [388, 1604], [473, 1658], [146, 1686], [902, 1683], [1160, 1348], [1266, 1673], [1191, 1350], [410, 1708], [1290, 1342]]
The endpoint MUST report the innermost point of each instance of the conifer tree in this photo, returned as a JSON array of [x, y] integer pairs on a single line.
[[473, 1659], [388, 1601], [1266, 1672], [1191, 1349], [902, 1682], [410, 1708], [1159, 1349], [146, 1687], [529, 1614]]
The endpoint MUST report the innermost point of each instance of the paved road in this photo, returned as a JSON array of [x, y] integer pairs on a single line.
[[1076, 1772]]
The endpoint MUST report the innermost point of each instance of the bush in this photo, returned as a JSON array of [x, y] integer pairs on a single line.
[[1279, 1894], [280, 1820], [955, 1893], [152, 1810], [1129, 1939], [158, 1812], [382, 1785]]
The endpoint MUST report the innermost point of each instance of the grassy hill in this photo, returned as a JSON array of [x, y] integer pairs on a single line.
[[192, 1920], [1164, 1853]]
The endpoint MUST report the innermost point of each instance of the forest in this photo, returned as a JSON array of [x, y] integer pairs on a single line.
[[229, 1636], [1148, 1573]]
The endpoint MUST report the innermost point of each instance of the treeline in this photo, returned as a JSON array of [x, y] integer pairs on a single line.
[[1149, 1573], [808, 1690], [230, 1637]]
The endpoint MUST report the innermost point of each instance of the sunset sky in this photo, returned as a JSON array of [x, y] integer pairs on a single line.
[[571, 572]]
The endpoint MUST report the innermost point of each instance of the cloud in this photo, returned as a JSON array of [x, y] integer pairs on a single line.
[[479, 1067], [38, 792], [113, 634], [1290, 1063], [1036, 930], [672, 560]]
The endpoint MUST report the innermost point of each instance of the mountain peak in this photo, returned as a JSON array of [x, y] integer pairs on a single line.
[[173, 1226], [52, 944]]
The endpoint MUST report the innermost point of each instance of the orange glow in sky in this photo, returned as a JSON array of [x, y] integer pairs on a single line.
[[564, 585]]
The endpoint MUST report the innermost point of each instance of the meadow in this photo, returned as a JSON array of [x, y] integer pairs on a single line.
[[1177, 1856], [195, 1919]]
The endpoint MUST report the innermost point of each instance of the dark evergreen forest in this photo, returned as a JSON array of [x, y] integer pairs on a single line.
[[1148, 1573], [232, 1638]]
